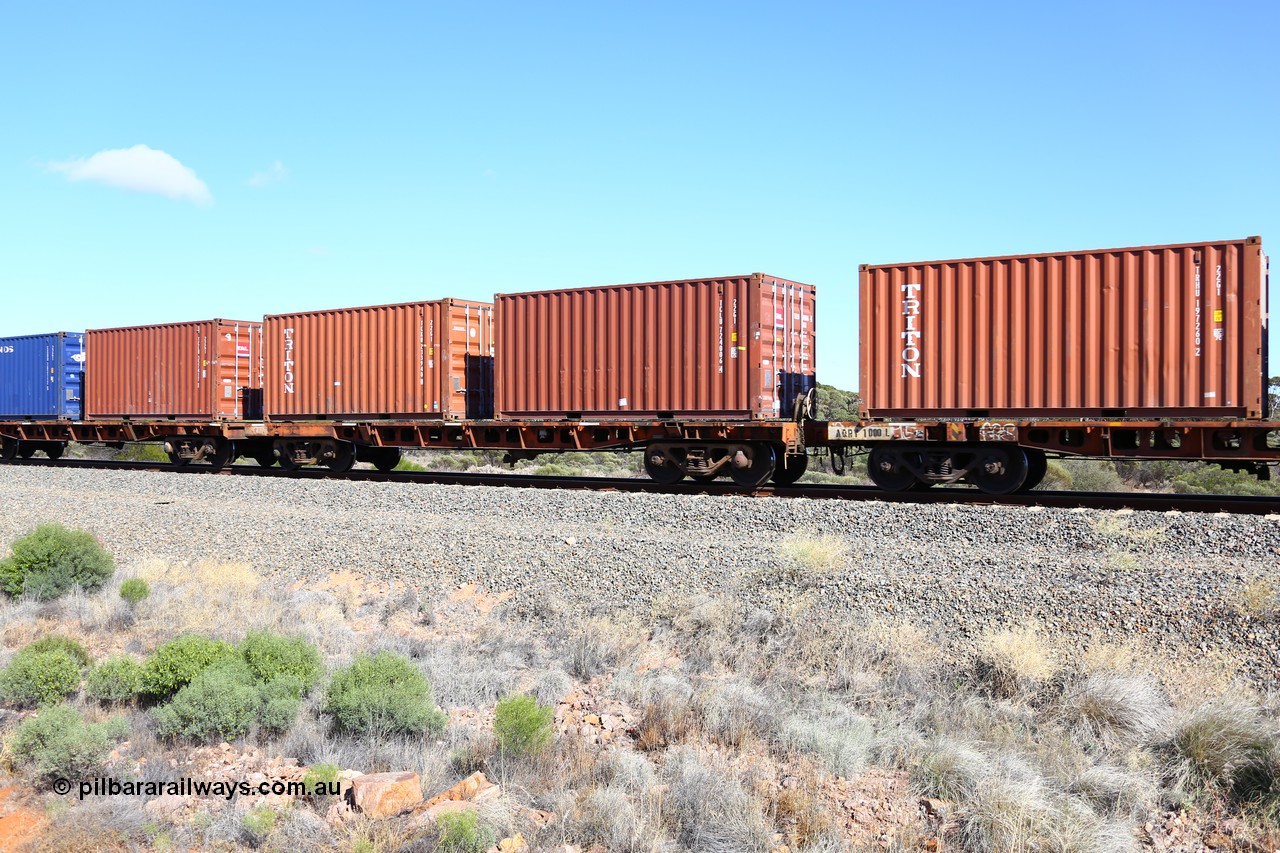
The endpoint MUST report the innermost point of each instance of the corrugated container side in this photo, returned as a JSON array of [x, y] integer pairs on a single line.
[[417, 359], [731, 347], [41, 376], [1172, 330], [208, 369]]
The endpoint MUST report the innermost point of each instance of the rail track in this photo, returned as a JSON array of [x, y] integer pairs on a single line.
[[1157, 502]]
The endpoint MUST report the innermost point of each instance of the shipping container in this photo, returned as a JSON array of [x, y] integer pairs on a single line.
[[1177, 330], [42, 376], [732, 347], [413, 360], [206, 370]]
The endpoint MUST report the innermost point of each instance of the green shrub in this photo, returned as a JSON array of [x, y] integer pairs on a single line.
[[270, 656], [381, 695], [49, 561], [39, 678], [58, 743], [115, 680], [220, 703], [172, 666], [141, 451], [258, 823], [281, 700], [462, 832], [134, 590], [522, 726], [1093, 475], [321, 774], [59, 643]]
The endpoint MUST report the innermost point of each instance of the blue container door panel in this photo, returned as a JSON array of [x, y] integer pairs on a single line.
[[71, 390]]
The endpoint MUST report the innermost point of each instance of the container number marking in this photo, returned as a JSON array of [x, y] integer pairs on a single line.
[[874, 432], [6, 350]]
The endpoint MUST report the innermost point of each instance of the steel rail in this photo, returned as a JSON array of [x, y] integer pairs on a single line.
[[1151, 501]]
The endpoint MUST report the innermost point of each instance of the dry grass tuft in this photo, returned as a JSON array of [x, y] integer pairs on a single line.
[[842, 741], [601, 644], [811, 557], [218, 599], [950, 771], [735, 711], [1113, 790], [1258, 598], [1015, 662], [614, 820], [798, 812], [710, 810], [1229, 748], [667, 716], [1118, 708], [1005, 813]]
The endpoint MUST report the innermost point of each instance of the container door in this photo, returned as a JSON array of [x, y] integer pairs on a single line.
[[71, 387], [786, 357], [478, 362], [234, 366]]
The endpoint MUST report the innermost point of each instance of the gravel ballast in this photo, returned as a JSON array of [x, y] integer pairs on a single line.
[[956, 571]]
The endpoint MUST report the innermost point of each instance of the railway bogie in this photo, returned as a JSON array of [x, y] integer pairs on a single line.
[[750, 464]]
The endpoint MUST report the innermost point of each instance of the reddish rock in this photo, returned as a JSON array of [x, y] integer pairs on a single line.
[[386, 794]]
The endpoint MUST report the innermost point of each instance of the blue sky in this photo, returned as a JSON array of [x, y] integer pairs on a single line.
[[321, 154]]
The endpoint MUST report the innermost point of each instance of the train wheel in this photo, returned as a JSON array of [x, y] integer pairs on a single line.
[[1000, 470], [386, 458], [886, 470], [283, 451], [176, 459], [760, 465], [266, 459], [789, 468], [8, 449], [343, 458], [660, 466], [223, 452], [54, 449], [1037, 467], [26, 450]]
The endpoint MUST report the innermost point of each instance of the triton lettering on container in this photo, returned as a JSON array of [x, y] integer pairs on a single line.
[[42, 376], [1148, 331], [414, 360], [732, 347], [207, 370]]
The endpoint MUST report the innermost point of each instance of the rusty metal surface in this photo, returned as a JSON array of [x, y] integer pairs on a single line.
[[190, 370], [1174, 330], [431, 359], [731, 347]]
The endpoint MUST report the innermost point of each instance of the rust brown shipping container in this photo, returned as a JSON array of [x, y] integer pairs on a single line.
[[412, 360], [206, 370], [1177, 330], [732, 347]]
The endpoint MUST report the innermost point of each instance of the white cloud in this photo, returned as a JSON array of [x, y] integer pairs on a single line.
[[274, 175], [141, 169]]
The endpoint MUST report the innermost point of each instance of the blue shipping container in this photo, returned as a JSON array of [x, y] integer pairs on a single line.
[[42, 376]]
